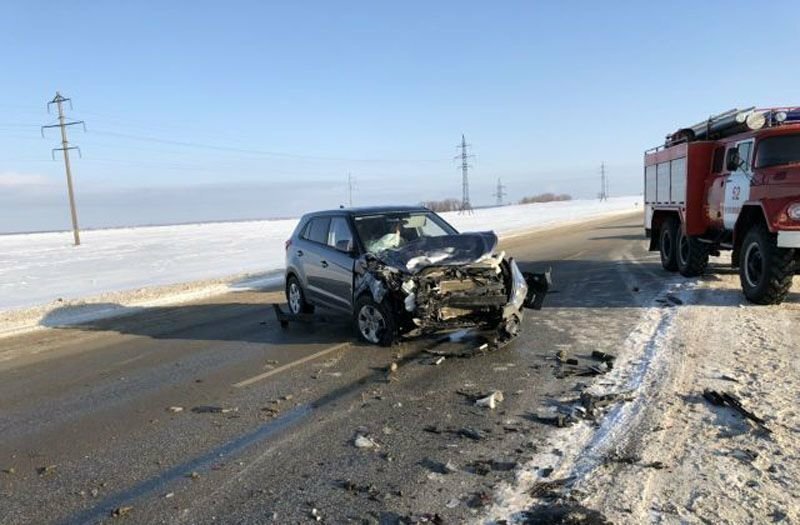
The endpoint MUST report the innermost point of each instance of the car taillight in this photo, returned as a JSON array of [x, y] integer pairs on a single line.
[[287, 244]]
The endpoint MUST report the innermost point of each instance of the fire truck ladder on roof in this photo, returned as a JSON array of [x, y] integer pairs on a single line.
[[732, 122]]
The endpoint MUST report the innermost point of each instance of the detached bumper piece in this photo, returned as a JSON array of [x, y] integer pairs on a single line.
[[538, 286]]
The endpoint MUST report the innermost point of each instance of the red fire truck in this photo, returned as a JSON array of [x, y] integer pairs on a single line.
[[731, 182]]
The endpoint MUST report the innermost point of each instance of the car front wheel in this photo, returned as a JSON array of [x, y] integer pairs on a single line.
[[374, 322]]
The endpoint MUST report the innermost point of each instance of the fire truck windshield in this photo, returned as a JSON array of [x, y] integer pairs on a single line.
[[775, 151]]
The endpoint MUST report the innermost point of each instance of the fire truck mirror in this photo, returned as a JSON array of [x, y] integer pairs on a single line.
[[733, 160]]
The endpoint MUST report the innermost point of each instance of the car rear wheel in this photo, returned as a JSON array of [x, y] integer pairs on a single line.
[[765, 270], [668, 244], [374, 322], [296, 297], [692, 255]]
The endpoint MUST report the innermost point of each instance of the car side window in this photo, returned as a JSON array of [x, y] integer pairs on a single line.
[[340, 237], [317, 230]]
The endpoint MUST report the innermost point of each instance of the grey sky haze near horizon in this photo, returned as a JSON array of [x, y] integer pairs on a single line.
[[204, 111]]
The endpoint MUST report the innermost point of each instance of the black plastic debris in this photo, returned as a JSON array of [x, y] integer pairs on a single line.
[[592, 402], [550, 489], [210, 409], [559, 420], [565, 514], [470, 433], [604, 357], [726, 399]]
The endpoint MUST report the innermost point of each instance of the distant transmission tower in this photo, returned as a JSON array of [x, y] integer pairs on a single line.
[[465, 207], [349, 190], [58, 100], [499, 192], [603, 182]]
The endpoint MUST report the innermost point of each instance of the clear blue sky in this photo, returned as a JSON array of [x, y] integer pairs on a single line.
[[280, 100]]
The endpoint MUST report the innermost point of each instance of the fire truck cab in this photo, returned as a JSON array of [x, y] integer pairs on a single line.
[[731, 182]]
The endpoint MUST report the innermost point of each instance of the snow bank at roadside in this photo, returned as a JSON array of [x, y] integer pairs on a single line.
[[662, 453], [43, 271]]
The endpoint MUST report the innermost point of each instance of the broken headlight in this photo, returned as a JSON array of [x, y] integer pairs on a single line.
[[519, 288]]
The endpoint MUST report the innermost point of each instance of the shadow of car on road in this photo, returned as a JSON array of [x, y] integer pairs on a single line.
[[224, 321]]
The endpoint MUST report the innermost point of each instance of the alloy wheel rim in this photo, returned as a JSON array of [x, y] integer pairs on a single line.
[[371, 323], [294, 298], [753, 265]]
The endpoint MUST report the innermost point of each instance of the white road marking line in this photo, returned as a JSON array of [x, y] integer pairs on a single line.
[[287, 366]]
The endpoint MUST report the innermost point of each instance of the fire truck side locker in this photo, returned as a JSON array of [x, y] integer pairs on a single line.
[[675, 181]]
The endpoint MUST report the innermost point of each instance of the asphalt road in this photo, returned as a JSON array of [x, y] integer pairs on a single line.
[[86, 426]]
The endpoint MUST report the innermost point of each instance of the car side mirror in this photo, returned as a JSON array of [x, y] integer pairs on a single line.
[[733, 160], [345, 245]]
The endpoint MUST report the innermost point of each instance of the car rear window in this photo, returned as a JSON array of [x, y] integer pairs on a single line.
[[317, 230]]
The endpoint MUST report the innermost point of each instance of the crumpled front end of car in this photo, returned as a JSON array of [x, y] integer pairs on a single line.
[[452, 283]]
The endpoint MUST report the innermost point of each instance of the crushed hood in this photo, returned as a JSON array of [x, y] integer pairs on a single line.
[[445, 250]]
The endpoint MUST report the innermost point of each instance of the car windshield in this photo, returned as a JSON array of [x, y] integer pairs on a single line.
[[383, 231], [774, 151]]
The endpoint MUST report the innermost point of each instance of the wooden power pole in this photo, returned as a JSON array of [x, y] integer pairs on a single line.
[[58, 100]]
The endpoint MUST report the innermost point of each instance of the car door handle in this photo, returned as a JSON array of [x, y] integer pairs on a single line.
[[299, 253], [324, 264]]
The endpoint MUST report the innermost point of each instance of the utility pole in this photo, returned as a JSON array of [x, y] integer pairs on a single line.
[[466, 207], [603, 182], [58, 100], [349, 190]]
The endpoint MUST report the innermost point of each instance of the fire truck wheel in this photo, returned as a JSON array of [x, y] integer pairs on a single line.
[[668, 244], [692, 255], [765, 270]]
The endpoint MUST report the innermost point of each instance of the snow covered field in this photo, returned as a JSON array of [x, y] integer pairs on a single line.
[[42, 268]]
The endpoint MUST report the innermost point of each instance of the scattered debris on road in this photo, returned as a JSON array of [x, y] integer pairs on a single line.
[[119, 512], [9, 470], [491, 401], [592, 402], [635, 460], [565, 514], [470, 433], [362, 441], [732, 401], [370, 490], [483, 467], [175, 409], [211, 409], [46, 470], [604, 357], [559, 420], [550, 489]]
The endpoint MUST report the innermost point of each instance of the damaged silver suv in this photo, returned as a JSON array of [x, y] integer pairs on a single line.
[[403, 271]]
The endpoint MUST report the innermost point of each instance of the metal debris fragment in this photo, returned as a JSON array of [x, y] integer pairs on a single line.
[[362, 441], [491, 400], [121, 511]]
